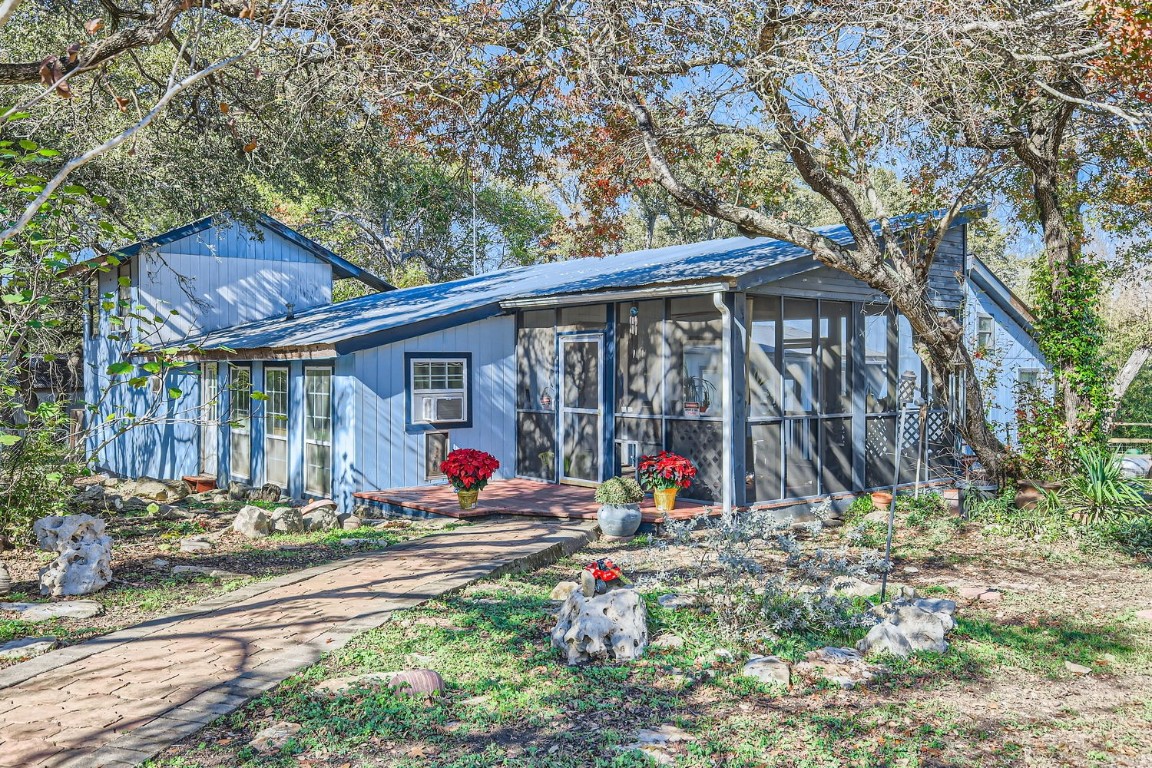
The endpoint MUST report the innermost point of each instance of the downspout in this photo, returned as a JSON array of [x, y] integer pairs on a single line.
[[727, 489]]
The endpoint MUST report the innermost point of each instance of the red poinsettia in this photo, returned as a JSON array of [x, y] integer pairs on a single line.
[[666, 470], [469, 469]]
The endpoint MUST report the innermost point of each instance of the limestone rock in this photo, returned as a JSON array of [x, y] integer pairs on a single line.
[[910, 626], [612, 626], [843, 666], [27, 647], [768, 669], [980, 594], [1077, 669], [350, 523], [72, 609], [1145, 615], [273, 738], [318, 505], [252, 522], [270, 492], [238, 491], [83, 561], [286, 520], [5, 579], [675, 602], [322, 519], [563, 589], [193, 545], [667, 642], [849, 586]]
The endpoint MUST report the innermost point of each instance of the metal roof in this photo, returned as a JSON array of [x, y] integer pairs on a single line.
[[341, 268], [384, 318]]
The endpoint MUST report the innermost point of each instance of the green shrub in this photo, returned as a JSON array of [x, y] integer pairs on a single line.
[[618, 491], [35, 472], [1098, 492], [922, 509], [860, 506]]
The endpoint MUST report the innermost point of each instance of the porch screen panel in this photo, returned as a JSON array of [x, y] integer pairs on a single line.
[[536, 395], [799, 367], [879, 365], [536, 445], [536, 361], [836, 357], [240, 418], [641, 436], [910, 386], [639, 352], [276, 426], [763, 365], [692, 378], [767, 462], [318, 431], [836, 455], [801, 457]]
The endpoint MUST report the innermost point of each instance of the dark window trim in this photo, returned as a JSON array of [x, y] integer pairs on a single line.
[[415, 427]]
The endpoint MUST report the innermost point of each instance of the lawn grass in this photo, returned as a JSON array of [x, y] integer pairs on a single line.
[[1000, 697]]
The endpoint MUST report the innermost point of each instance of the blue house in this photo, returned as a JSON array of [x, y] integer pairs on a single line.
[[780, 378]]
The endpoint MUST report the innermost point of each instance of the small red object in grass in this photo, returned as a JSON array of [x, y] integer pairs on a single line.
[[605, 570]]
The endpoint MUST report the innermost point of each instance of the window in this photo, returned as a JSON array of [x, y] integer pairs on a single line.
[[1028, 377], [209, 418], [240, 418], [439, 390], [276, 426], [985, 332], [318, 431]]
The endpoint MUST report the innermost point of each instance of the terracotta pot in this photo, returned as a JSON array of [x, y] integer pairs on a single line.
[[467, 499], [665, 498], [1027, 494], [881, 500]]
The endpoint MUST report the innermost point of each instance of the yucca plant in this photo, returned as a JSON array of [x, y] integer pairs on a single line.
[[1099, 492]]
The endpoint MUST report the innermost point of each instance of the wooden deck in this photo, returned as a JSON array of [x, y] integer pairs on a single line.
[[527, 498]]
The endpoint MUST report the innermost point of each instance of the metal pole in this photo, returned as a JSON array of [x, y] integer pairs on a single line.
[[892, 502]]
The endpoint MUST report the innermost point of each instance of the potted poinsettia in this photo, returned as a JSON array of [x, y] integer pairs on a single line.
[[665, 474], [469, 470]]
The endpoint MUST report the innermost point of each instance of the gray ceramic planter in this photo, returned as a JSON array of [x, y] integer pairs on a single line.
[[619, 521]]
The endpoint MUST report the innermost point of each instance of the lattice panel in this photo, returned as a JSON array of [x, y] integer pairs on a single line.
[[701, 442]]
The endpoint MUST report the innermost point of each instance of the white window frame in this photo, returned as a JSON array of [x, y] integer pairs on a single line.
[[235, 432], [417, 397], [210, 418], [309, 488], [1035, 372], [991, 332], [270, 437]]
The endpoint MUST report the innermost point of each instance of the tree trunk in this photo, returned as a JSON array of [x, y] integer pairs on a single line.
[[1128, 373]]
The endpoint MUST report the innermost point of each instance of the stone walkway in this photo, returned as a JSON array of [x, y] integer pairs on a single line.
[[120, 699]]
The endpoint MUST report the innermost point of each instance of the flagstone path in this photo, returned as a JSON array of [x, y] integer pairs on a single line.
[[119, 699]]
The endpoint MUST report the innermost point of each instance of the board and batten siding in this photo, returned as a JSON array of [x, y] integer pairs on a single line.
[[1013, 350], [387, 455], [219, 277], [227, 276]]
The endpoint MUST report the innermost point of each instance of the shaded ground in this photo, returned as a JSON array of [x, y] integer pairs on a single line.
[[146, 549]]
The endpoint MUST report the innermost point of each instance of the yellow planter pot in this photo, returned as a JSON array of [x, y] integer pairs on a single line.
[[467, 499], [665, 498]]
